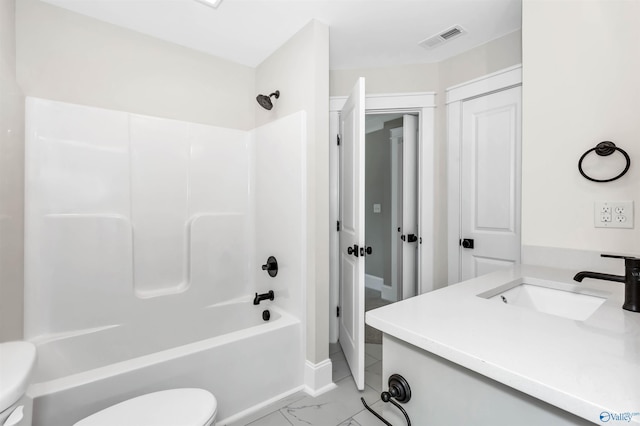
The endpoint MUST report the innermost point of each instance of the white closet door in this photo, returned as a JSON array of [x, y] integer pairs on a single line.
[[490, 182]]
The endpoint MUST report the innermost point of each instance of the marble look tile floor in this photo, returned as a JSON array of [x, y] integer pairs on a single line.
[[338, 407]]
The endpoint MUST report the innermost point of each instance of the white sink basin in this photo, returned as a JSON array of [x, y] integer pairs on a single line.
[[560, 299]]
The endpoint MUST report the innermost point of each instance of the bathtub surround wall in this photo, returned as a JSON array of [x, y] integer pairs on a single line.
[[299, 69], [591, 94], [11, 180], [148, 207], [279, 197], [95, 175], [161, 221]]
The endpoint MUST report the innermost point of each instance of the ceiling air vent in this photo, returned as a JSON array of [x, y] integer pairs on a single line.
[[438, 39]]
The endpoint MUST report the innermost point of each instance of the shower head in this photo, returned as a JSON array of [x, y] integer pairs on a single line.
[[265, 101]]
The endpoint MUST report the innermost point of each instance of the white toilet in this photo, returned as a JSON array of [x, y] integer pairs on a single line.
[[173, 407], [17, 361]]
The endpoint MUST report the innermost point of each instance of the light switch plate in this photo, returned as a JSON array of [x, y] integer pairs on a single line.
[[376, 208], [613, 214]]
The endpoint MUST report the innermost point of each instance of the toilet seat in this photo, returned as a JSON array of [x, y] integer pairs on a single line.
[[174, 407]]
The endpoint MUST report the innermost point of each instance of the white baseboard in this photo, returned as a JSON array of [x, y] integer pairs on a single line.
[[373, 282], [317, 377], [389, 293]]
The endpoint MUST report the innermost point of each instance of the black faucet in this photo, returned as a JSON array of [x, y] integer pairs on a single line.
[[631, 280], [260, 297]]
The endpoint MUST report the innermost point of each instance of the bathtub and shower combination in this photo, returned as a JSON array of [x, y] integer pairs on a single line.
[[144, 240]]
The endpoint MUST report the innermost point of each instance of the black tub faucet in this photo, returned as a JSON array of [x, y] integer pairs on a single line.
[[265, 296], [631, 280]]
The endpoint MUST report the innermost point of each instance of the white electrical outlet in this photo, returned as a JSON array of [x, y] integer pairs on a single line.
[[613, 214]]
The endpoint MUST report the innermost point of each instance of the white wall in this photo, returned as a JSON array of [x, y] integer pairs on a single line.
[[300, 70], [398, 79], [581, 85], [69, 57], [495, 55], [11, 180]]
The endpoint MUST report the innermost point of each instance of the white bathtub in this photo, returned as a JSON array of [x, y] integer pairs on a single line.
[[227, 349]]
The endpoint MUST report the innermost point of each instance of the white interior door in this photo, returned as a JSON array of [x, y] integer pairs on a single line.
[[490, 183], [352, 231], [409, 205]]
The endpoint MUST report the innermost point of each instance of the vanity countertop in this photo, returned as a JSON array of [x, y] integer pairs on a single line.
[[587, 368]]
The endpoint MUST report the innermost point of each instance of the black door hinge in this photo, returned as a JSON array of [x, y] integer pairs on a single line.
[[338, 139], [338, 226], [337, 311]]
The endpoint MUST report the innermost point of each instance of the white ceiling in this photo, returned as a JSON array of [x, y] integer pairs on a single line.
[[364, 33]]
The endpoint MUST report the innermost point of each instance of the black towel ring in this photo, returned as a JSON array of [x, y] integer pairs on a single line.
[[604, 149]]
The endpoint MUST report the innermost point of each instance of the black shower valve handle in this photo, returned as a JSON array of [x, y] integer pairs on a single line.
[[271, 266]]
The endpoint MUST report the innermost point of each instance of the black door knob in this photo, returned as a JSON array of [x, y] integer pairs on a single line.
[[467, 243], [369, 250]]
